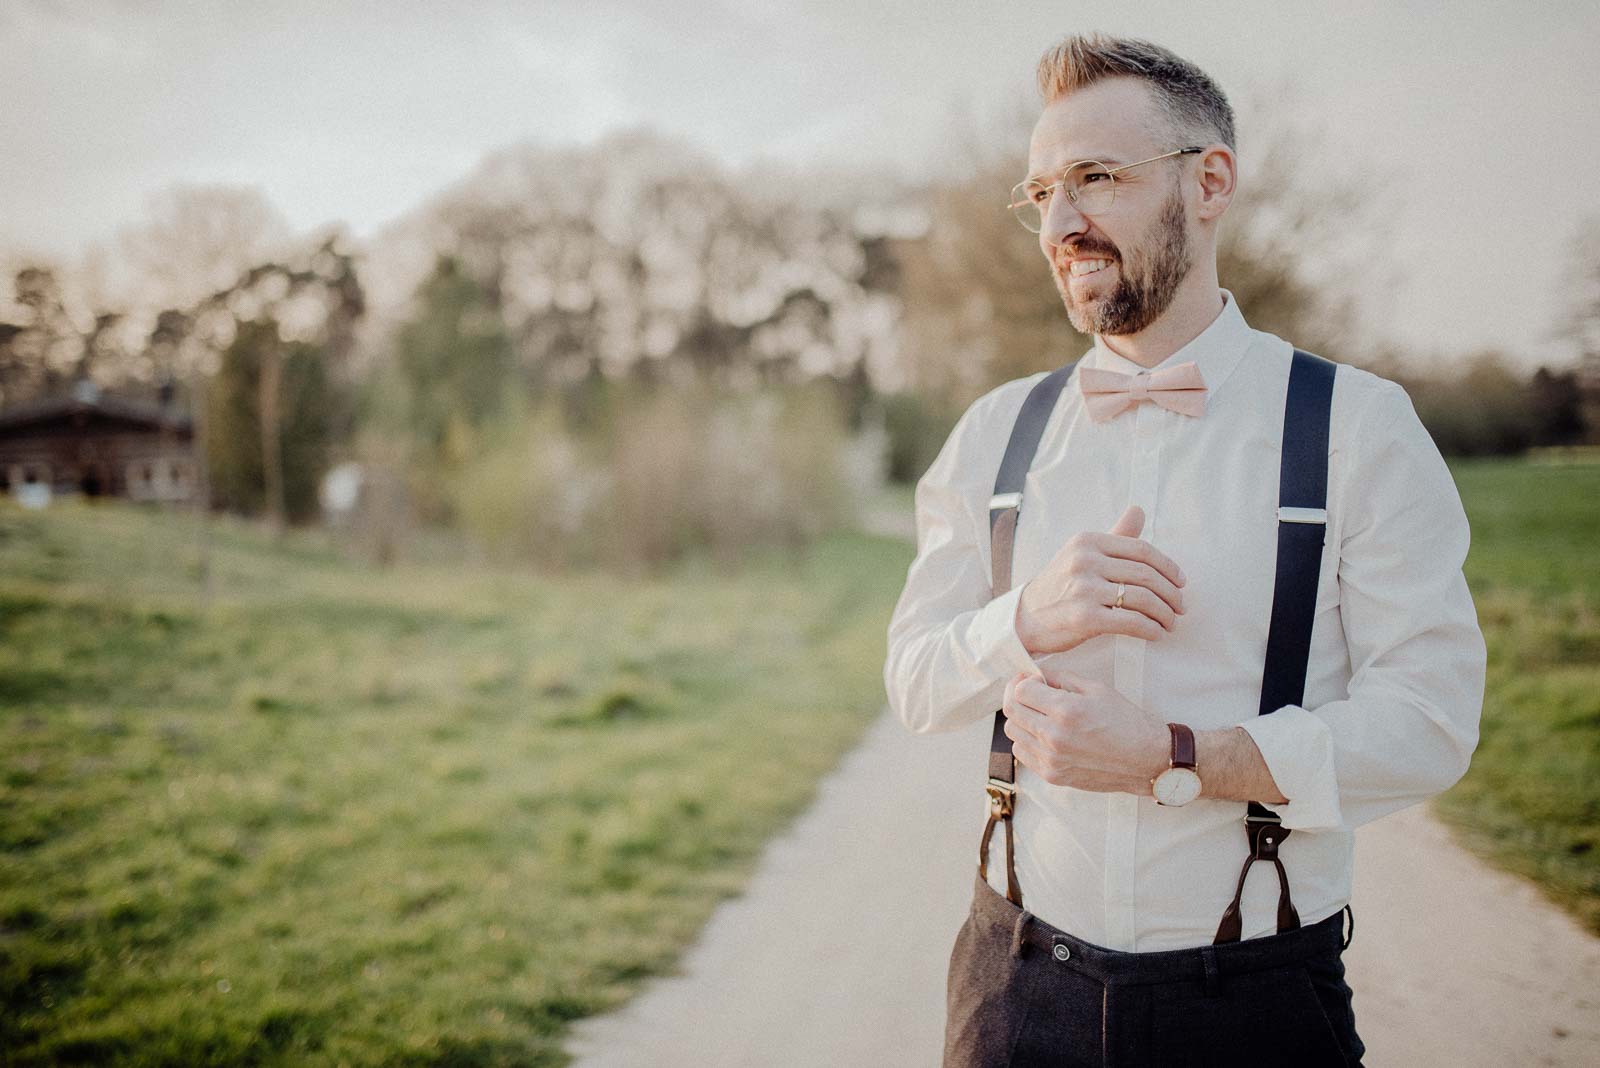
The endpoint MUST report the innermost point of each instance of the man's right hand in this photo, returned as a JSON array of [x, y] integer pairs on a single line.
[[1071, 600]]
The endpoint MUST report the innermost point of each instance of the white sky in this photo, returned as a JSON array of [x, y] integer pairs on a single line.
[[1482, 118]]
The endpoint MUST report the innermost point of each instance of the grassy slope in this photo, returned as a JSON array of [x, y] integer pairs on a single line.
[[419, 817]]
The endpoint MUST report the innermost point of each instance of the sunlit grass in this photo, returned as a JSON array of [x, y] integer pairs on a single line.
[[1531, 801], [425, 816], [431, 815]]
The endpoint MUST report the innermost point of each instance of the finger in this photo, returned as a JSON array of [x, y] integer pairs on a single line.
[[1028, 757], [1127, 621], [1141, 550], [1136, 573], [1036, 695], [1070, 681], [1017, 732], [1130, 522], [1029, 716], [1140, 599]]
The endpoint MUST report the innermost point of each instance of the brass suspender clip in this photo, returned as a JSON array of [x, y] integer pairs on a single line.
[[1001, 797], [1263, 840]]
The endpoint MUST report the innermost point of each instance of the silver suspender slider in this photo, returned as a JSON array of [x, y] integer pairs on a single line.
[[1006, 500], [1303, 515]]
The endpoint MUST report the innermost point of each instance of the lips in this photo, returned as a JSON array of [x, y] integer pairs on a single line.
[[1066, 258], [1069, 269]]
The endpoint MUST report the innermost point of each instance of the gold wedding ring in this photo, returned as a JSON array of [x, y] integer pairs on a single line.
[[1122, 587]]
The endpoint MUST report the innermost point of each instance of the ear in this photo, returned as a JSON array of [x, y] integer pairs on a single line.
[[1217, 172]]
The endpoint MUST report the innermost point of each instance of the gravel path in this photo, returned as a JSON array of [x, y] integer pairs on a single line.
[[836, 953]]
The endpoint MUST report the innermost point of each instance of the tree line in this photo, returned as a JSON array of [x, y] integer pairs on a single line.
[[610, 338]]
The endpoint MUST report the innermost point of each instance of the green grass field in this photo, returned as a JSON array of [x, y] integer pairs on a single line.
[[427, 816], [1531, 801]]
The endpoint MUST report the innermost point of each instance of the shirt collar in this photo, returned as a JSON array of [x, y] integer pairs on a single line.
[[1216, 350]]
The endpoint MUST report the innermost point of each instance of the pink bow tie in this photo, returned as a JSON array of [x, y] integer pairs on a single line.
[[1107, 394]]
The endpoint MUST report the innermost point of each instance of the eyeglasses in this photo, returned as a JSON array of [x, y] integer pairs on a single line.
[[1090, 185]]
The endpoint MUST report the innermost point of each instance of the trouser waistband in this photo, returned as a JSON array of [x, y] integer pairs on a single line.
[[1115, 967]]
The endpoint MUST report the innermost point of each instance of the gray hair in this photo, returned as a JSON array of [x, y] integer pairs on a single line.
[[1188, 99]]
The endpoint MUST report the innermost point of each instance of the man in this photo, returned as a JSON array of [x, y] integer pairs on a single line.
[[1129, 654]]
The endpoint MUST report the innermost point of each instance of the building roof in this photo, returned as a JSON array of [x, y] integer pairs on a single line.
[[86, 399]]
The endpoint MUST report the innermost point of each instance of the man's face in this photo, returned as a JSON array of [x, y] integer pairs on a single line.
[[1144, 235]]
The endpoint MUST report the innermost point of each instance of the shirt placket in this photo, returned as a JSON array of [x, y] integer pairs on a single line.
[[1122, 810]]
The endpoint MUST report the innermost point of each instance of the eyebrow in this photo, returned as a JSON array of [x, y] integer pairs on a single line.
[[1109, 161]]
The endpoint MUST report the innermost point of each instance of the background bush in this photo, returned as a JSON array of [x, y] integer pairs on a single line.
[[657, 474]]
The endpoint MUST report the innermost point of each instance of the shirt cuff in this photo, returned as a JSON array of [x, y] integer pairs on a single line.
[[1298, 749], [994, 635]]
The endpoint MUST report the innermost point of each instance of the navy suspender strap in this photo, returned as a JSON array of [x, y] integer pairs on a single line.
[[1302, 528], [1004, 507]]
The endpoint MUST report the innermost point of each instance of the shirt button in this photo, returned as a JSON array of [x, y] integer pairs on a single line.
[[1062, 952]]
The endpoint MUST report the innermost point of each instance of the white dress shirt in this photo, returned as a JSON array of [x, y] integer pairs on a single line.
[[1394, 686]]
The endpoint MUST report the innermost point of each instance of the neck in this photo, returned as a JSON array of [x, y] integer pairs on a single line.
[[1193, 308]]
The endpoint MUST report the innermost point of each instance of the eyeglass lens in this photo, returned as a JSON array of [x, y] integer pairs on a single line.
[[1088, 185]]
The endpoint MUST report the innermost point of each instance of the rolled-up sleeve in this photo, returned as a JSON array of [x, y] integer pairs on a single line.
[[1409, 724], [951, 646]]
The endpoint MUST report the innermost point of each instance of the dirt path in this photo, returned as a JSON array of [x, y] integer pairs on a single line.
[[836, 954]]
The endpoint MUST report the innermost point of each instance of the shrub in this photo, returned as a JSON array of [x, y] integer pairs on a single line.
[[917, 429], [660, 474], [1484, 408]]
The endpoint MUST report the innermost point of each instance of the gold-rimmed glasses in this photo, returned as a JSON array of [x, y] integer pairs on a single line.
[[1089, 184]]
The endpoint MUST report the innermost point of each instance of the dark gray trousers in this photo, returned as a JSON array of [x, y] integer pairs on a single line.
[[1021, 992]]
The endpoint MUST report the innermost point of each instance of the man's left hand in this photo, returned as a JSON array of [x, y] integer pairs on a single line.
[[1073, 731]]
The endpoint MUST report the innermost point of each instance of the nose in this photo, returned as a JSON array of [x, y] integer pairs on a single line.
[[1062, 221]]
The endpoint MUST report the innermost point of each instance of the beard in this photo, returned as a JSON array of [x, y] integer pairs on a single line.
[[1145, 287]]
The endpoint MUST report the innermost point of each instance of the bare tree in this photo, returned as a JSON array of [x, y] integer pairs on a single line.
[[196, 240], [1582, 325], [44, 347]]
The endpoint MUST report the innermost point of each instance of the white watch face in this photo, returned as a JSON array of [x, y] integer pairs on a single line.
[[1176, 786]]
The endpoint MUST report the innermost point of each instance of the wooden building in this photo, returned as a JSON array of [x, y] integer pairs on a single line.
[[90, 443]]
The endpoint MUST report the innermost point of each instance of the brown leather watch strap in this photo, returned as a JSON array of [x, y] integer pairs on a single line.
[[1182, 745]]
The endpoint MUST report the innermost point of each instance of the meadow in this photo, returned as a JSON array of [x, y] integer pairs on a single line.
[[1531, 800], [430, 815]]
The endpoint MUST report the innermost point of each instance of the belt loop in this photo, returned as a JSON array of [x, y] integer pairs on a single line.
[[1016, 933], [1208, 954], [1352, 932]]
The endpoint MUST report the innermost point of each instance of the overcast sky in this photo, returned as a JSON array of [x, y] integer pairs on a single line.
[[1482, 118]]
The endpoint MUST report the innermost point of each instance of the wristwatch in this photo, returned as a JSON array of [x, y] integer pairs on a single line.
[[1180, 783]]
